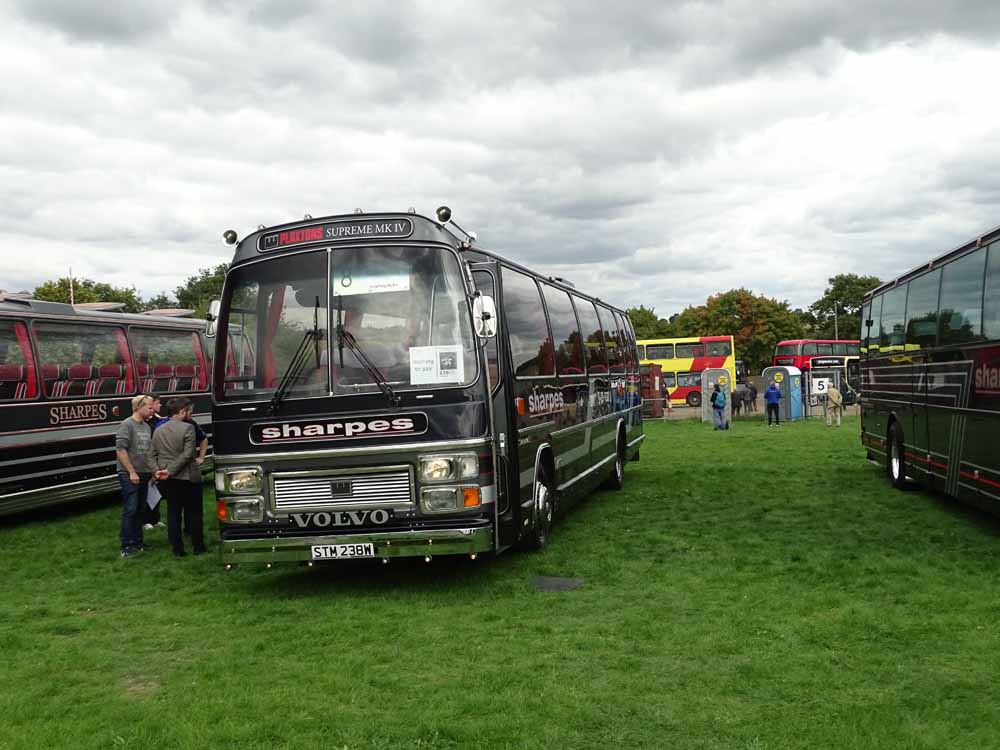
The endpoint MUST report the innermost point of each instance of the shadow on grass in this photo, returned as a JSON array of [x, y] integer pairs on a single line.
[[61, 511]]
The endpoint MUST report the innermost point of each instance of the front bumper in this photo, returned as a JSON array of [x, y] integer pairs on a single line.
[[428, 543]]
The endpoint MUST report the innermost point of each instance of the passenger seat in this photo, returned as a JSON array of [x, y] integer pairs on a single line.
[[13, 385]]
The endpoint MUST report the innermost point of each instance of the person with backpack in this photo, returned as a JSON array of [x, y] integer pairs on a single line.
[[719, 408]]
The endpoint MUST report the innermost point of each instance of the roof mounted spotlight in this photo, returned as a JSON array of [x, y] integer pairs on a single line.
[[261, 226], [307, 216], [230, 236], [444, 214]]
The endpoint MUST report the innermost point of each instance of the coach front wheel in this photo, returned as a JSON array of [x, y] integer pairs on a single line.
[[896, 458], [544, 512]]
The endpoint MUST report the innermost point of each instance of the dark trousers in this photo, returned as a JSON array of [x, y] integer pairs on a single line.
[[149, 515], [773, 409], [133, 501], [184, 501]]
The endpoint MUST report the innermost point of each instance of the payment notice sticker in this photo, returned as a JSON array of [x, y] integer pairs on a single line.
[[431, 365]]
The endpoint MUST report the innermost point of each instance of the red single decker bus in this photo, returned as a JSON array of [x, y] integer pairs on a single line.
[[800, 352]]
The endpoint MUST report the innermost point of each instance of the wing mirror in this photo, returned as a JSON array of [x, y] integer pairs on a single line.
[[212, 316], [484, 316]]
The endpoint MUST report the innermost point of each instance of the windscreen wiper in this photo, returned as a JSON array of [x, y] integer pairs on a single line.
[[312, 336], [346, 338]]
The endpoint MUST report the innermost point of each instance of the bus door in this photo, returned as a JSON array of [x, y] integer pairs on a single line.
[[503, 427]]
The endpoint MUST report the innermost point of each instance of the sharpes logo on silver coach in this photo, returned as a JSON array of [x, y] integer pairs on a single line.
[[346, 428]]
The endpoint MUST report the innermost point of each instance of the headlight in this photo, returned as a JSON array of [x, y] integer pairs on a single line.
[[448, 468], [242, 510], [445, 499], [238, 480]]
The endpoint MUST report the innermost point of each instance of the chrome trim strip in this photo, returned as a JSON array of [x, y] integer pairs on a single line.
[[83, 489], [588, 472], [637, 440], [377, 450]]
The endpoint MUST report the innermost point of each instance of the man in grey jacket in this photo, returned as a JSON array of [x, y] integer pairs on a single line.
[[173, 454]]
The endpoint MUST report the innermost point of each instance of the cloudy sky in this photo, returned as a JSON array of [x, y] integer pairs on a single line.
[[653, 152]]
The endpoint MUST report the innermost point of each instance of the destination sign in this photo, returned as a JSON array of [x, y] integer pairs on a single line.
[[827, 361], [336, 231]]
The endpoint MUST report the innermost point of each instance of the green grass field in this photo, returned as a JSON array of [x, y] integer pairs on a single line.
[[749, 589]]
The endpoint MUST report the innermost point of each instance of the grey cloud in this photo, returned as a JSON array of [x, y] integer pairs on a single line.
[[95, 21]]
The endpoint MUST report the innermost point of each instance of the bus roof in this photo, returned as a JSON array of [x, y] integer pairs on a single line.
[[40, 308], [818, 341], [966, 247], [683, 340]]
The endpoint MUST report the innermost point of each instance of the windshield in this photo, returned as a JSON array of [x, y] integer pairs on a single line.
[[405, 307], [785, 349]]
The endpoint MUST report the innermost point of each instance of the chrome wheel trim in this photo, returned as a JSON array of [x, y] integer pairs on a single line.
[[543, 511], [894, 460]]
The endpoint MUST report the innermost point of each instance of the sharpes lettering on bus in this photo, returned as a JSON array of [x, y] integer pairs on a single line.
[[385, 387]]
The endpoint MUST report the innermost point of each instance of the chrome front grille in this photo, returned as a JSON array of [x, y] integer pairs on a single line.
[[390, 487]]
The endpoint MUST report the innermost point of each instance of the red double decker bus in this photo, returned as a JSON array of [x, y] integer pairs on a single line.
[[801, 352]]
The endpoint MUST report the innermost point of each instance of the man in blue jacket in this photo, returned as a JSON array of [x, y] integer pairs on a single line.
[[772, 396]]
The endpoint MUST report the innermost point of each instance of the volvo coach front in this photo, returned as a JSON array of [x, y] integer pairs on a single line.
[[351, 414]]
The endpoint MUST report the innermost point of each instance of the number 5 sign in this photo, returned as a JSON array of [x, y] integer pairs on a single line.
[[820, 386]]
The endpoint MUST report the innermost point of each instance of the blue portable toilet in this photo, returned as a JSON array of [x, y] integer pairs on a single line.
[[789, 382]]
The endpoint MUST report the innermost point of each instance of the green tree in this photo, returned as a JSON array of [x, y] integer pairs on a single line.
[[85, 290], [842, 298], [756, 322], [160, 302], [202, 288], [647, 325]]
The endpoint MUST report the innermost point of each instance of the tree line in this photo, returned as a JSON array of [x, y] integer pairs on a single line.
[[756, 321]]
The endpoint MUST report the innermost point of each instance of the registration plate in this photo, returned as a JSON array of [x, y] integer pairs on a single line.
[[342, 551]]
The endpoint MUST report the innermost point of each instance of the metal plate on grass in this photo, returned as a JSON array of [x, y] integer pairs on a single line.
[[554, 583]]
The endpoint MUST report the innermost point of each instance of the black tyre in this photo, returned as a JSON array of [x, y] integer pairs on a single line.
[[544, 512], [895, 460], [694, 398], [617, 479]]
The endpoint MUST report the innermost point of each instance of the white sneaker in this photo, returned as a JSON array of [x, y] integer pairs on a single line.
[[160, 525], [147, 526]]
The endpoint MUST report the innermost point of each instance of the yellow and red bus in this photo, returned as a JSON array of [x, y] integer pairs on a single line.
[[683, 360]]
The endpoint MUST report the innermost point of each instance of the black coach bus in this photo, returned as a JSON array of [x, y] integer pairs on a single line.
[[67, 376], [930, 374], [409, 394]]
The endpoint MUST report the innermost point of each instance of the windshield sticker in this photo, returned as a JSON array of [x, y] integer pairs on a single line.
[[430, 365], [346, 283]]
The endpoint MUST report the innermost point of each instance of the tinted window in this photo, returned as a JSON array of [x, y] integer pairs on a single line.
[[809, 349], [565, 331], [689, 351], [991, 314], [669, 380], [530, 347], [921, 310], [824, 348], [718, 349], [853, 349], [784, 350], [961, 310], [174, 356], [893, 317], [612, 342], [625, 339], [660, 351], [590, 326], [875, 329], [484, 283], [18, 380], [79, 360]]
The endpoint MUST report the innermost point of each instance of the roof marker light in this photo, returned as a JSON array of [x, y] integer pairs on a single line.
[[443, 213], [307, 216]]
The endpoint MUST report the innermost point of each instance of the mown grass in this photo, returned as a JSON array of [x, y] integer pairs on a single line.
[[750, 589]]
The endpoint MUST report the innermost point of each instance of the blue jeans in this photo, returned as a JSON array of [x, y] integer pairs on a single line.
[[133, 501], [720, 418]]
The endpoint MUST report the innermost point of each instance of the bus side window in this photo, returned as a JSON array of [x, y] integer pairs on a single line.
[[565, 331], [875, 330], [527, 331], [18, 380], [893, 318], [485, 284], [590, 327], [616, 360], [991, 302], [961, 309], [83, 360]]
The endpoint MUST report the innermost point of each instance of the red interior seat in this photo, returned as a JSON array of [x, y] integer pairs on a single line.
[[110, 380], [13, 384]]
